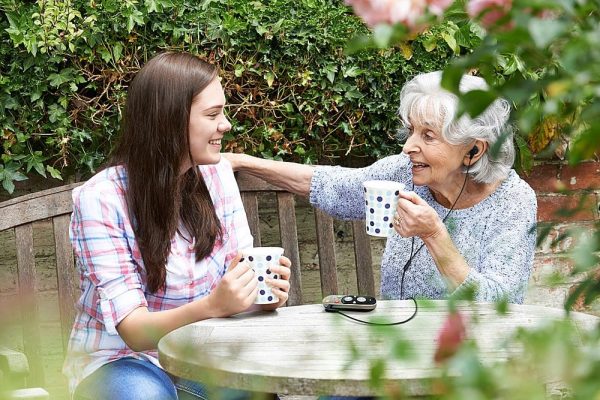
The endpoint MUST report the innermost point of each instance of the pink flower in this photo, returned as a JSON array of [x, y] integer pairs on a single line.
[[450, 337], [438, 7], [488, 11], [406, 12]]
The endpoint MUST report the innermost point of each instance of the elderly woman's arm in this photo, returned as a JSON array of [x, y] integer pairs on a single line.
[[336, 190]]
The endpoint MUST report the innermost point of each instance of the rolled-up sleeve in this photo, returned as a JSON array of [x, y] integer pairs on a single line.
[[102, 239], [339, 191]]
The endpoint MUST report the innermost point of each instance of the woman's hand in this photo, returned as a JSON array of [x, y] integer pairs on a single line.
[[280, 286], [236, 159], [236, 291], [414, 217]]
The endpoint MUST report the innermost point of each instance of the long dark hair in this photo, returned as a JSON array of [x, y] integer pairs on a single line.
[[152, 147]]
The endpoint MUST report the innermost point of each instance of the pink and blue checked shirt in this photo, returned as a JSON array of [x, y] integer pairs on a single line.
[[112, 275]]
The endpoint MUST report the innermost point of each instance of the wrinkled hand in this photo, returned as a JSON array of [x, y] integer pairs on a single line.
[[236, 291], [280, 286], [414, 217]]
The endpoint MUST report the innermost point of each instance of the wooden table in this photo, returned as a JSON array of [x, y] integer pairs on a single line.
[[305, 350]]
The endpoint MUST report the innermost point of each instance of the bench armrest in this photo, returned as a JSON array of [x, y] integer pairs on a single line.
[[13, 363], [13, 369]]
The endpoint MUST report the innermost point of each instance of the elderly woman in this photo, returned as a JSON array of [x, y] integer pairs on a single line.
[[468, 220]]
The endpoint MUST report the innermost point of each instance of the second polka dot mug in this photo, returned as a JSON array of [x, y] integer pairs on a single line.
[[260, 260], [381, 198]]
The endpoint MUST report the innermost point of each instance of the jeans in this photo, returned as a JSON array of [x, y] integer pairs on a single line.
[[133, 379]]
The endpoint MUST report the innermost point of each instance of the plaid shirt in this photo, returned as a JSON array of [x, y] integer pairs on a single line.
[[112, 274]]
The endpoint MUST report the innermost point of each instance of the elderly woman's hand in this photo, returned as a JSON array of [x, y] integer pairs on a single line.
[[414, 217]]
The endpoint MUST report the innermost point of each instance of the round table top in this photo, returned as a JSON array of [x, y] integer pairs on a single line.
[[306, 350]]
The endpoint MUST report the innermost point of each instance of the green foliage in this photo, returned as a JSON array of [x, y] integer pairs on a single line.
[[293, 92], [553, 352], [547, 64]]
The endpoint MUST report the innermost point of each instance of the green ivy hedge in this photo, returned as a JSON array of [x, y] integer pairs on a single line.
[[293, 91]]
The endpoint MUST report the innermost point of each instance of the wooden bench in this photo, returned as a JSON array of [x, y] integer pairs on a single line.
[[55, 205]]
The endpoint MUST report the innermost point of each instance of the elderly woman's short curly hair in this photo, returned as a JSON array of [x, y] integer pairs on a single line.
[[424, 99]]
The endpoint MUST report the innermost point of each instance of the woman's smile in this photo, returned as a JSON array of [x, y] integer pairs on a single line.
[[215, 143], [418, 167]]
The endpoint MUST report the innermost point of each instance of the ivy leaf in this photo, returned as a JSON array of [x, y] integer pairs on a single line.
[[451, 42], [54, 172], [353, 94], [55, 112], [352, 72], [8, 185], [10, 173], [134, 18], [330, 70], [117, 51], [406, 50], [239, 70], [35, 95], [269, 77], [548, 130], [151, 5], [104, 54], [35, 161], [430, 43], [58, 79]]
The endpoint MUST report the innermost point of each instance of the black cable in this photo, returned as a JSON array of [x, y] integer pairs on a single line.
[[412, 256], [381, 324]]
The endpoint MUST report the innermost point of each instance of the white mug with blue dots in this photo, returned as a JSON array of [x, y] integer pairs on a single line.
[[381, 199], [261, 259]]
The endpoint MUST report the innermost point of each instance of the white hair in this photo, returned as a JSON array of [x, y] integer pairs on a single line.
[[423, 98]]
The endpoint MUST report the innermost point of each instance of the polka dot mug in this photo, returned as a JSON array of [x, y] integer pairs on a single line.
[[381, 199], [260, 260]]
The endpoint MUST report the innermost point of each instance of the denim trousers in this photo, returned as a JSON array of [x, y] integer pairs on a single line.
[[133, 379]]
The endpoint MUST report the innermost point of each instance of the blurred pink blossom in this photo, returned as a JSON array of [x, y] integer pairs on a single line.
[[438, 7], [406, 12], [489, 11], [452, 334]]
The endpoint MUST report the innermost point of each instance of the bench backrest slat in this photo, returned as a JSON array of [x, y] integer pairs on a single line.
[[325, 244], [250, 200], [36, 206], [289, 241], [67, 276], [28, 301], [363, 259]]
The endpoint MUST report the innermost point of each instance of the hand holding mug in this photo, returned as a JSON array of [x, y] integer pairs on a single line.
[[414, 217], [236, 291]]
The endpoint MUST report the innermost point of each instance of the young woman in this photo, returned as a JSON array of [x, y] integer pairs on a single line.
[[156, 236]]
